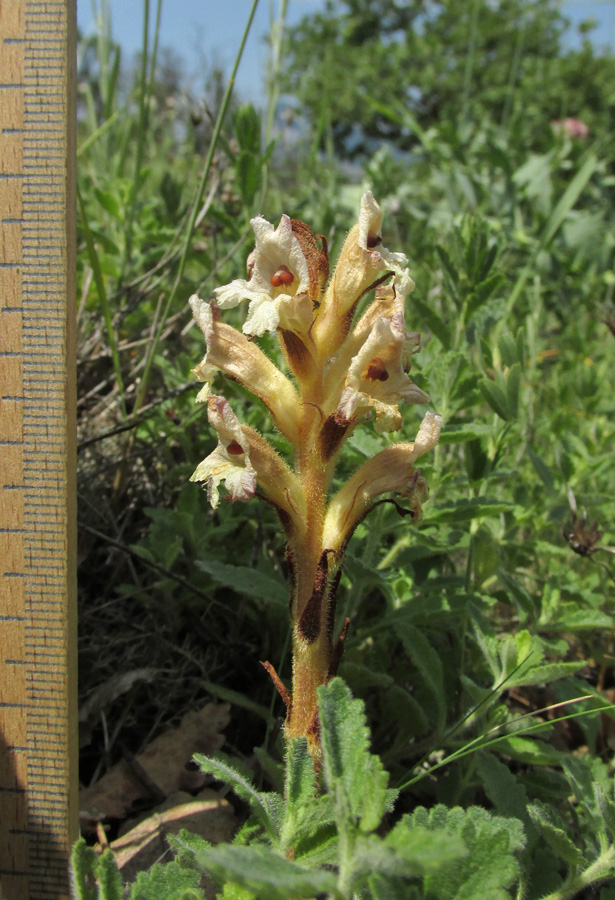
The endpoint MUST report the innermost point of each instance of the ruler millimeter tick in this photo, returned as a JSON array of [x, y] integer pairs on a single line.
[[38, 718]]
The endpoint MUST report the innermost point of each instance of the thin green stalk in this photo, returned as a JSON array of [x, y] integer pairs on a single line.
[[144, 95], [102, 299], [479, 743], [102, 129], [193, 216], [469, 63], [273, 88], [598, 871]]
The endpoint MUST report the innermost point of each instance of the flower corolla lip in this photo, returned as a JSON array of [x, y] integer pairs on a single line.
[[230, 461], [279, 273]]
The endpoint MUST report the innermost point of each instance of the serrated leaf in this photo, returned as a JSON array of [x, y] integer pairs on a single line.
[[267, 807], [168, 881], [260, 870], [466, 509], [553, 830], [489, 866], [496, 398], [246, 581], [350, 769], [424, 850]]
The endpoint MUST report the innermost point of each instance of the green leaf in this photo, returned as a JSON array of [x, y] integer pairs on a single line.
[[531, 752], [246, 581], [496, 398], [541, 468], [505, 791], [544, 674], [109, 878], [467, 509], [513, 384], [581, 620], [300, 782], [247, 128], [481, 293], [232, 891], [606, 808], [450, 271], [428, 663], [458, 434], [349, 767], [433, 322], [109, 202], [422, 849], [489, 866], [519, 594], [248, 172], [267, 807], [569, 198], [83, 866], [554, 832], [258, 869], [169, 881]]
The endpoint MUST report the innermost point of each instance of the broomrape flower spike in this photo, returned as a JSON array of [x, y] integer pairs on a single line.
[[341, 373]]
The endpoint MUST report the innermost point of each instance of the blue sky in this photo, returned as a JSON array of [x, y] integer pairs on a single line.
[[213, 29]]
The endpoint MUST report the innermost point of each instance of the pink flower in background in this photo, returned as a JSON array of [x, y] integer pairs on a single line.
[[575, 128]]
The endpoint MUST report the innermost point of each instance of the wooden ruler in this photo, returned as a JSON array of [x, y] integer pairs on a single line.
[[38, 717]]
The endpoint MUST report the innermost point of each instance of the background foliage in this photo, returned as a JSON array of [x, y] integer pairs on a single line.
[[468, 630]]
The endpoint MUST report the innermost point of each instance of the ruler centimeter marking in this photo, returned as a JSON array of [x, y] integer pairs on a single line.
[[38, 716]]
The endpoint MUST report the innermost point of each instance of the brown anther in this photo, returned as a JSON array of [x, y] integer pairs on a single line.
[[373, 240], [376, 370], [235, 448], [282, 275]]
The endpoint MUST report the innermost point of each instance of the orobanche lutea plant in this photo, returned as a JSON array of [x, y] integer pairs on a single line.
[[342, 375]]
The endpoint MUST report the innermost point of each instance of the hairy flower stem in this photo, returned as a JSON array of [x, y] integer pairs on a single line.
[[312, 645]]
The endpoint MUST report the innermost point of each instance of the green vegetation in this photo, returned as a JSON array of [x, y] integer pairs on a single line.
[[467, 746]]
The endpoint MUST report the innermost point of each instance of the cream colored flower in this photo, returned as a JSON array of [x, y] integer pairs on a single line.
[[370, 224], [391, 470], [231, 352], [230, 461], [376, 358], [376, 379], [279, 273], [363, 264]]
